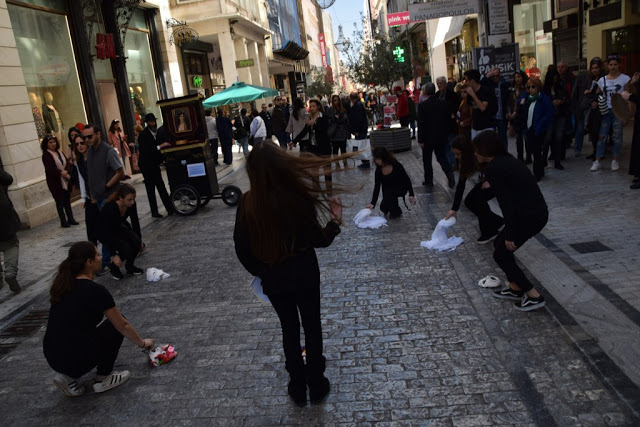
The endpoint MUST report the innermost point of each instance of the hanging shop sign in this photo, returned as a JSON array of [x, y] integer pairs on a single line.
[[105, 48], [498, 17], [244, 63], [505, 58], [323, 49], [400, 18], [434, 9]]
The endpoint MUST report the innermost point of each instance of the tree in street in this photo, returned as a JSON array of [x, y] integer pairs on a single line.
[[320, 84]]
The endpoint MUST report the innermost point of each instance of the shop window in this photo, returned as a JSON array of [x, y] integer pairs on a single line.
[[625, 42], [536, 49], [142, 81], [48, 63], [138, 20], [49, 4]]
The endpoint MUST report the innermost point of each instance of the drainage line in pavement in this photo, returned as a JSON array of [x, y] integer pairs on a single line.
[[603, 289]]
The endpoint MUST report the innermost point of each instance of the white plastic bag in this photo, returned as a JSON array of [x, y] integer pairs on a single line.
[[363, 145], [256, 285], [363, 219], [439, 240], [155, 274]]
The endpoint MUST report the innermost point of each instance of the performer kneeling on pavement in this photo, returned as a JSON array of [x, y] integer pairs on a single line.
[[525, 215], [124, 240], [391, 176], [477, 201], [278, 225], [77, 338]]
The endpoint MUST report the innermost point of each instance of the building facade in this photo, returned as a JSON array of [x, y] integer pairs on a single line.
[[54, 78]]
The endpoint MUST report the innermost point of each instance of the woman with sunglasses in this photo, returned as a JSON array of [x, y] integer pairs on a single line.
[[535, 113], [91, 212], [118, 140], [56, 169]]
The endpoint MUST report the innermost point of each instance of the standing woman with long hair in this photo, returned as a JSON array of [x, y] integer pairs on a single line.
[[525, 215], [339, 123], [91, 212], [583, 98], [477, 201], [77, 339], [118, 140], [614, 82], [279, 222], [554, 139], [297, 122], [56, 169]]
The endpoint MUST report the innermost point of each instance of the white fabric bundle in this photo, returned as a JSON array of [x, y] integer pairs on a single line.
[[256, 285], [363, 219], [439, 240], [155, 274]]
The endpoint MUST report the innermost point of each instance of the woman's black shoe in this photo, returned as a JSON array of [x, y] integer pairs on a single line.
[[318, 390], [65, 225], [298, 392], [559, 166], [73, 222]]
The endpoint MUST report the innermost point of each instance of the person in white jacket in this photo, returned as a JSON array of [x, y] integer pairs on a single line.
[[258, 128], [212, 132]]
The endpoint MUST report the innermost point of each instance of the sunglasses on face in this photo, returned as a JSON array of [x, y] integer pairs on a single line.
[[88, 136], [80, 143], [532, 87]]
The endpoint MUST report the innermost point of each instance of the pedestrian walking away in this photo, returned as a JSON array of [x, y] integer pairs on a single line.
[[258, 128], [279, 123], [432, 135], [358, 125], [477, 201], [391, 176], [242, 125], [77, 339], [212, 133], [525, 215], [225, 133], [275, 236], [554, 139], [149, 162], [9, 243], [338, 130]]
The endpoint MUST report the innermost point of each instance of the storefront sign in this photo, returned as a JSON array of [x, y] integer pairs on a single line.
[[434, 9], [395, 19], [197, 81], [505, 58], [55, 73], [244, 63], [323, 49], [498, 17]]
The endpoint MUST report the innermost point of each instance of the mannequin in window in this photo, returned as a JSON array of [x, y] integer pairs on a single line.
[[37, 115], [138, 102], [52, 122]]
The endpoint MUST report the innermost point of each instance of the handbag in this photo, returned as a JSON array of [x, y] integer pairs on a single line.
[[602, 99], [331, 130], [252, 138], [362, 145]]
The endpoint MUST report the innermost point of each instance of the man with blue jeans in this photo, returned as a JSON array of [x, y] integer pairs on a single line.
[[105, 171]]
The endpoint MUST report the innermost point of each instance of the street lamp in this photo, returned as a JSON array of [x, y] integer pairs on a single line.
[[324, 4], [342, 44]]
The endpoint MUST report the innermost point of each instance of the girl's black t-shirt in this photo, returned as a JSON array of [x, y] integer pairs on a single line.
[[73, 321]]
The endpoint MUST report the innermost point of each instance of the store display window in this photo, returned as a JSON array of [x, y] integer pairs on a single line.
[[536, 48], [142, 81], [48, 63]]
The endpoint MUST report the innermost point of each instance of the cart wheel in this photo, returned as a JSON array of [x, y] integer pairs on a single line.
[[186, 200], [231, 195], [204, 202]]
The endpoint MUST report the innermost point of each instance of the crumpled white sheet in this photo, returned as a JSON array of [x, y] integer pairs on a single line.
[[155, 274], [363, 219], [256, 285], [439, 239]]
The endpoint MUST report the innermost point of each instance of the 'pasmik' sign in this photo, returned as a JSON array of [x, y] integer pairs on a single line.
[[434, 9]]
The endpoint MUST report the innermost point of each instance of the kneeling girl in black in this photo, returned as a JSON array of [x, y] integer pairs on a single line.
[[123, 240], [391, 176], [525, 215], [77, 338], [477, 201]]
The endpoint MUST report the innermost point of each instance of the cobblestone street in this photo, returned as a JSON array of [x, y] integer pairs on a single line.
[[410, 339]]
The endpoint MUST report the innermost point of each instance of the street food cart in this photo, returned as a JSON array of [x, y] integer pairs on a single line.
[[189, 161]]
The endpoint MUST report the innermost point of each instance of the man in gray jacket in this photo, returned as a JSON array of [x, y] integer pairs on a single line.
[[9, 244]]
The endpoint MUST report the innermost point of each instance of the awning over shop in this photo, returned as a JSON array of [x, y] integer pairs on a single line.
[[292, 50], [448, 28]]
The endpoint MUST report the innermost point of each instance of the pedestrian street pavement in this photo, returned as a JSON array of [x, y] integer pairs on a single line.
[[410, 339]]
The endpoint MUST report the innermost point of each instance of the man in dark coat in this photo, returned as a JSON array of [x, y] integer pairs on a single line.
[[149, 163], [432, 136], [358, 124], [279, 122], [9, 244], [453, 102]]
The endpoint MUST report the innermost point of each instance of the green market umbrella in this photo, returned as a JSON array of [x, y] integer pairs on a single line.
[[238, 92]]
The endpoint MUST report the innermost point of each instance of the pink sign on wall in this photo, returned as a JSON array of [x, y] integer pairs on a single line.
[[395, 19], [323, 49]]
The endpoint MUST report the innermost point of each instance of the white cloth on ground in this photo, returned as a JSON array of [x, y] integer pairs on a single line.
[[439, 238], [363, 219], [155, 274]]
